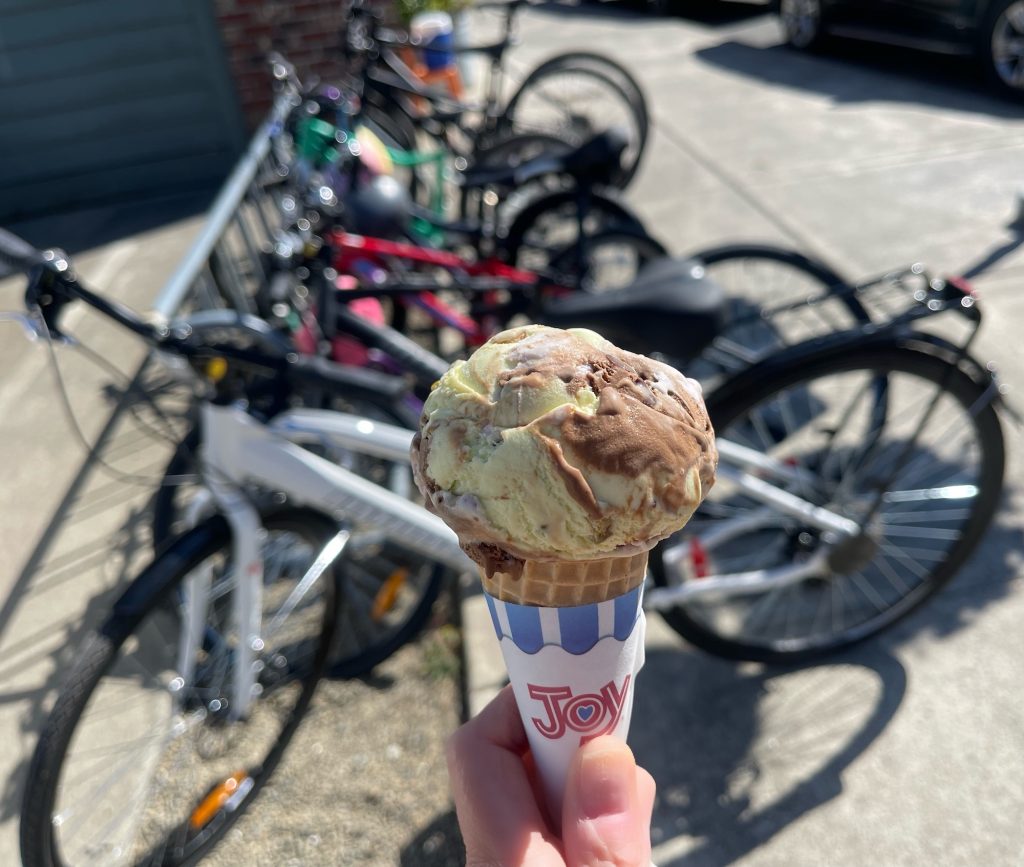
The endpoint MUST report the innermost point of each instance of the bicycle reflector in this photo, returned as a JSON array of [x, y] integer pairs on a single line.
[[387, 596], [699, 559], [219, 797], [963, 285]]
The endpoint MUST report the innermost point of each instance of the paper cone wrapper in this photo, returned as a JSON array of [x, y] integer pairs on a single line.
[[573, 670]]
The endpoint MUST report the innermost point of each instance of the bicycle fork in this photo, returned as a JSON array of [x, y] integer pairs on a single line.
[[246, 599]]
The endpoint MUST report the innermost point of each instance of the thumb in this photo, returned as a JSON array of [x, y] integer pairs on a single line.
[[606, 816]]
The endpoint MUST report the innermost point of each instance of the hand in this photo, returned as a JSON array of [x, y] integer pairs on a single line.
[[606, 817]]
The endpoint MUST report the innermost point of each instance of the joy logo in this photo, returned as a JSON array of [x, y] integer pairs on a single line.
[[590, 714]]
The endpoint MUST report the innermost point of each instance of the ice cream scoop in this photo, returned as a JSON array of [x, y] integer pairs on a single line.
[[559, 461], [553, 446]]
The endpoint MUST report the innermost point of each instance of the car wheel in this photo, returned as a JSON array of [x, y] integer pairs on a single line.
[[1002, 48], [802, 22]]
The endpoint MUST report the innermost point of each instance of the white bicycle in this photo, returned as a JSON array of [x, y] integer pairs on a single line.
[[181, 705]]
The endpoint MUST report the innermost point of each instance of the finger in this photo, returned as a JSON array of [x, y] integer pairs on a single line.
[[646, 789], [500, 724], [606, 818], [495, 803]]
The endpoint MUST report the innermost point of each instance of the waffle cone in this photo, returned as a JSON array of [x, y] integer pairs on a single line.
[[563, 583]]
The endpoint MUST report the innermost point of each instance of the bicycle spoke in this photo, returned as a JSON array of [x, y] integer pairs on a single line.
[[136, 768], [915, 553], [869, 592], [891, 576], [909, 562], [915, 517], [921, 533]]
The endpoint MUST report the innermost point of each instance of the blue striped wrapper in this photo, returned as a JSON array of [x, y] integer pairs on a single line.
[[575, 629]]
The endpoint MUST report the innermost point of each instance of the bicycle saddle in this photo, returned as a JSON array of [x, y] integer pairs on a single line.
[[595, 161], [671, 308]]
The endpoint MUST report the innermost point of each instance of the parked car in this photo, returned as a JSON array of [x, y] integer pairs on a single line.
[[993, 30]]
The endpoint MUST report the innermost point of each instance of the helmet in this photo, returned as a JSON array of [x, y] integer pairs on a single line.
[[381, 207]]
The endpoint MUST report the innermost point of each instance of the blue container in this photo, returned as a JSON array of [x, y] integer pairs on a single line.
[[435, 33], [439, 52]]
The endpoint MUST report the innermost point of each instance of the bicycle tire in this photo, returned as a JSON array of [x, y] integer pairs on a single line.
[[606, 209], [817, 273], [633, 245], [601, 72], [500, 152], [408, 601], [605, 65], [764, 277], [391, 119], [346, 666], [878, 359], [394, 128], [150, 596]]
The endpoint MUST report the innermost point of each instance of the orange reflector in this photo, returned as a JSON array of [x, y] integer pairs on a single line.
[[213, 802], [216, 369], [386, 597]]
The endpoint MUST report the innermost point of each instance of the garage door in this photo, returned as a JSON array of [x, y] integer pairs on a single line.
[[103, 99]]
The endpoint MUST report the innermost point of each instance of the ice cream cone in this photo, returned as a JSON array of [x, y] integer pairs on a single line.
[[563, 583], [550, 454]]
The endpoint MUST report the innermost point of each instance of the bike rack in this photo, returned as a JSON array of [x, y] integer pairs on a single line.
[[224, 265]]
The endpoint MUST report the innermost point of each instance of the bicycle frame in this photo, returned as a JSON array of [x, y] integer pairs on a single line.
[[352, 254], [239, 451]]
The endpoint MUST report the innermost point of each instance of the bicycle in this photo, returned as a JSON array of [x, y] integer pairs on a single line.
[[224, 636], [569, 204], [550, 101], [212, 682]]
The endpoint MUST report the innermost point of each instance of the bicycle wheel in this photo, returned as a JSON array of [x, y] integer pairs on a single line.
[[609, 259], [574, 96], [856, 423], [549, 227], [386, 594], [140, 763], [396, 131], [503, 151], [760, 278]]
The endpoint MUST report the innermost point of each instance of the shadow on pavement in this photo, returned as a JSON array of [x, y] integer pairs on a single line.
[[712, 13], [75, 231], [53, 564], [437, 845], [1000, 250], [740, 752], [852, 72]]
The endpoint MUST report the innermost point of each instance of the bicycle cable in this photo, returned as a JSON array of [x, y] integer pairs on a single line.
[[90, 449]]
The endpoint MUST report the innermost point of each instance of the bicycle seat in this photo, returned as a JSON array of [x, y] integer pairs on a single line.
[[595, 161], [598, 159], [671, 308]]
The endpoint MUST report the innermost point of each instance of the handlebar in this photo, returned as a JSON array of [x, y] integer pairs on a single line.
[[54, 284], [17, 255]]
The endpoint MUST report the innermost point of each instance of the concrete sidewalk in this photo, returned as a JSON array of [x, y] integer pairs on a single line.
[[70, 534], [908, 751]]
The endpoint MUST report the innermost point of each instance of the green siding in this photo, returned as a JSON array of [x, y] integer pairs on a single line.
[[101, 99]]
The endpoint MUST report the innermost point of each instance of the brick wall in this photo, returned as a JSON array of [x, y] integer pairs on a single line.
[[307, 32]]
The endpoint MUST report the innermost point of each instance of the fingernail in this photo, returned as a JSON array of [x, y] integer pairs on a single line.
[[607, 778]]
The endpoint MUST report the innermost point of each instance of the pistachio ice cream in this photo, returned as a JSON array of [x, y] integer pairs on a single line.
[[554, 446]]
